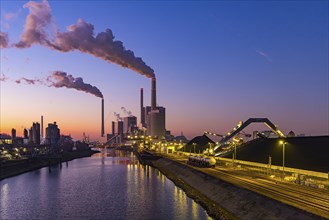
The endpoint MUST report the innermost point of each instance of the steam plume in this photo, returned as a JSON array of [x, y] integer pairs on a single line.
[[3, 40], [79, 36], [61, 79], [34, 29], [127, 112], [117, 116]]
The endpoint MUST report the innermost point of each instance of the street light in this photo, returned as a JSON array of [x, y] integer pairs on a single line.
[[283, 145], [210, 147]]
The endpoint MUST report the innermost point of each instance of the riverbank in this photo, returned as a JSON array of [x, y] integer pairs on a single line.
[[223, 200], [13, 168]]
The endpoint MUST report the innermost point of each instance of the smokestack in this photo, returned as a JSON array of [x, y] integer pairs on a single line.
[[113, 127], [142, 104], [42, 126], [153, 94], [142, 109], [102, 133]]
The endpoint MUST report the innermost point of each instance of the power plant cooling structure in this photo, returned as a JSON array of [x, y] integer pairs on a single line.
[[102, 123]]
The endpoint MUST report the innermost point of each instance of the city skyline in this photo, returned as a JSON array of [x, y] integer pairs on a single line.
[[216, 63]]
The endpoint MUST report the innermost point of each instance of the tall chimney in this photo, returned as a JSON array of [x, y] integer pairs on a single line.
[[142, 108], [153, 94], [102, 133], [113, 127], [142, 97], [41, 126]]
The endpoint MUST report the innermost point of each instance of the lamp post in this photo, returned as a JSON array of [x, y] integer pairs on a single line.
[[194, 147], [283, 145], [210, 147]]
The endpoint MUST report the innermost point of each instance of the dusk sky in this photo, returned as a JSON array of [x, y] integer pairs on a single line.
[[216, 63]]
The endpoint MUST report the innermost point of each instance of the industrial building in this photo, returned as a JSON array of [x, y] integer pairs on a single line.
[[53, 134], [129, 125], [153, 117], [152, 121]]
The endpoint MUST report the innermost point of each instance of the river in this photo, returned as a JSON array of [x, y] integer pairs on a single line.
[[108, 185]]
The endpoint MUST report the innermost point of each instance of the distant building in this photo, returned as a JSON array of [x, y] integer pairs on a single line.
[[53, 134], [34, 136], [13, 136], [118, 127], [129, 124], [181, 138], [25, 134], [291, 134]]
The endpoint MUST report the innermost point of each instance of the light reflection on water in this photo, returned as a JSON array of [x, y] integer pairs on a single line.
[[108, 185]]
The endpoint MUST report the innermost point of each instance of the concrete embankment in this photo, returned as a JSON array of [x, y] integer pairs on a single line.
[[223, 200], [13, 168]]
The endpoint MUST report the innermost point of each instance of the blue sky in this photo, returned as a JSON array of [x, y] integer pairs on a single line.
[[216, 63]]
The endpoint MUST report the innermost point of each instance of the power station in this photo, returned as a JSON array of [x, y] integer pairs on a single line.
[[155, 116], [152, 120]]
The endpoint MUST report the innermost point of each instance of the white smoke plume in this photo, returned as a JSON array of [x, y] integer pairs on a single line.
[[118, 117], [60, 79], [36, 22], [79, 36], [3, 40], [127, 112]]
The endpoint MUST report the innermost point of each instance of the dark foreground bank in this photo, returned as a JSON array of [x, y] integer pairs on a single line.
[[13, 168], [223, 200]]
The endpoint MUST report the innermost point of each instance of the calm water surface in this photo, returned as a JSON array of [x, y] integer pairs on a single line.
[[109, 185]]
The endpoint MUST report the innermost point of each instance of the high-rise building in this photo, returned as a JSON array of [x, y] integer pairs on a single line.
[[42, 127], [13, 136], [36, 133], [53, 134], [25, 134], [31, 135]]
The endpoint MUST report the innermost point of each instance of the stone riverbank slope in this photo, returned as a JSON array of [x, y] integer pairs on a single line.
[[223, 200]]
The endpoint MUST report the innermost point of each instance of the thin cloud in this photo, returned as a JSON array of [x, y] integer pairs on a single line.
[[265, 55], [29, 81], [3, 40], [9, 16], [3, 77]]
